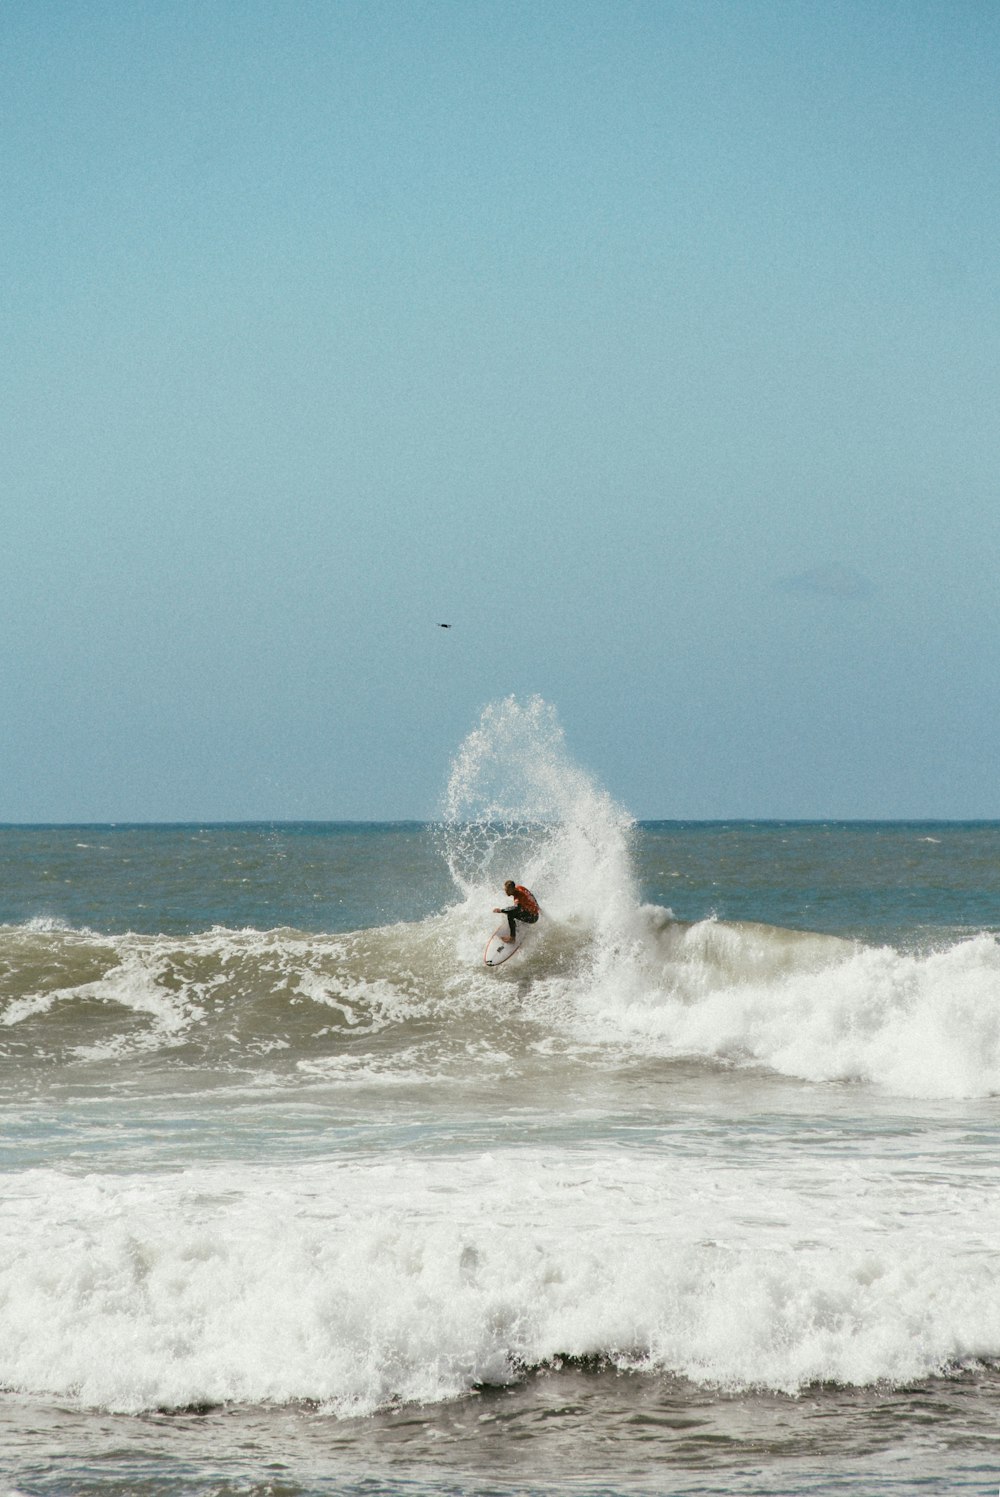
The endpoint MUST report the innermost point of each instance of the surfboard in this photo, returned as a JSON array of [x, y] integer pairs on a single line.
[[497, 952]]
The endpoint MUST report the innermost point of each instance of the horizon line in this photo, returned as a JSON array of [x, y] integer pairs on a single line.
[[415, 821]]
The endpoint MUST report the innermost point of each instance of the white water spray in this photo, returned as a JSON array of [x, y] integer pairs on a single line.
[[517, 806]]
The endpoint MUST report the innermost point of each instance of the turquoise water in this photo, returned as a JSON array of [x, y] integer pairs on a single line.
[[699, 1193]]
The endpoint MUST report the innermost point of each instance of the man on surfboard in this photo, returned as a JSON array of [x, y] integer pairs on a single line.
[[524, 908]]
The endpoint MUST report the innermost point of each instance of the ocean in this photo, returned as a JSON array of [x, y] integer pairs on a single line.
[[698, 1193]]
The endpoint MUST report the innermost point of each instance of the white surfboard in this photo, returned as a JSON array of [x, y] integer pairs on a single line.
[[498, 951]]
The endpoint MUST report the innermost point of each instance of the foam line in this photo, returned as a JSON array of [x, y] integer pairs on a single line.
[[357, 1285]]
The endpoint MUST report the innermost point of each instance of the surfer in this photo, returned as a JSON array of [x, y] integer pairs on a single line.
[[524, 908]]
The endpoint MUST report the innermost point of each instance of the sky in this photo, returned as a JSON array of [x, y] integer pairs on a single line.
[[653, 346]]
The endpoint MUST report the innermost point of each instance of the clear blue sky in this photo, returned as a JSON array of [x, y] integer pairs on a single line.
[[652, 345]]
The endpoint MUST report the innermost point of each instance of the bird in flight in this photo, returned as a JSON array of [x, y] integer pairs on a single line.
[[444, 626]]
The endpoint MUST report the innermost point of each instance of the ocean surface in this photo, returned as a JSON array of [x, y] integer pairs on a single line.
[[698, 1193]]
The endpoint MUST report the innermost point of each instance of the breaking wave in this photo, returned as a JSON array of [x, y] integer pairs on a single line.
[[362, 1286], [611, 976]]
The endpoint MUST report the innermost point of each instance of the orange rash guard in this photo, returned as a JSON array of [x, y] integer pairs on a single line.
[[525, 900]]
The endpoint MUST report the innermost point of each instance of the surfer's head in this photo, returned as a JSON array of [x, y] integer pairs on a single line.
[[509, 886]]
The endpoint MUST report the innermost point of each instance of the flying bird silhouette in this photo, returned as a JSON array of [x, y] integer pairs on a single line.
[[444, 626]]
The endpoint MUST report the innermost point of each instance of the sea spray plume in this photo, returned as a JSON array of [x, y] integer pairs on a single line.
[[517, 806]]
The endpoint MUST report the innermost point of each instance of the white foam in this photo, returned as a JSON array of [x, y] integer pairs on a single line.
[[363, 1283], [27, 1007], [135, 985], [922, 1026], [364, 1071]]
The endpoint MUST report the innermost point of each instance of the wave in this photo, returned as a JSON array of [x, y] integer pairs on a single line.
[[805, 1006], [614, 979], [391, 1270], [416, 1280]]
